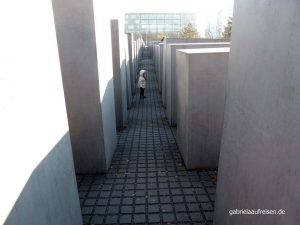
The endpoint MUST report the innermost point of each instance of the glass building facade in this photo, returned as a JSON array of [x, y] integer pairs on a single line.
[[157, 22]]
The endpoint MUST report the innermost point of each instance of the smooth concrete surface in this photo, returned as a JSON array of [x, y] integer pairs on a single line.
[[130, 61], [105, 68], [202, 77], [152, 48], [38, 184], [156, 59], [134, 60], [91, 112], [164, 58], [128, 77], [171, 80], [139, 56], [75, 31], [259, 161], [123, 70], [50, 194], [160, 65], [115, 41]]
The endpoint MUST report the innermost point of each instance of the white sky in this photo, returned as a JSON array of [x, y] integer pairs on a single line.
[[207, 10]]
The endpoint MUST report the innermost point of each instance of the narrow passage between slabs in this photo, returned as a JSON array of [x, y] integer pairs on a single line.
[[147, 182]]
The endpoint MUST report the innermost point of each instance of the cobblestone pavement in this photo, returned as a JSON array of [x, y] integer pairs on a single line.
[[147, 182]]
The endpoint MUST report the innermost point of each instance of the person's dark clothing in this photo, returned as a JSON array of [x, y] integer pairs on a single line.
[[142, 90]]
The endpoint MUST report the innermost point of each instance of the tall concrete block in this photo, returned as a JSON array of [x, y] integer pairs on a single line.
[[91, 112], [119, 88], [165, 59], [38, 183], [153, 53], [170, 76], [153, 44], [130, 61], [105, 68], [129, 92], [202, 77], [134, 60], [160, 65], [156, 58], [123, 70], [128, 77], [259, 160]]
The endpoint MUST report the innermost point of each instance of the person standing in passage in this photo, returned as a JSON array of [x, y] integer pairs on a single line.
[[142, 83]]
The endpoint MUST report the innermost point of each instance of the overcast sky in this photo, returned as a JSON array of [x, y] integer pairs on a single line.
[[207, 10]]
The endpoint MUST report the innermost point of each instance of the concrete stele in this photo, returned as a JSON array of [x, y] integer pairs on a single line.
[[38, 183], [202, 75], [259, 160], [171, 80]]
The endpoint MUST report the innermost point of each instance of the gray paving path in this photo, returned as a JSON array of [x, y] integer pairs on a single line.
[[147, 182]]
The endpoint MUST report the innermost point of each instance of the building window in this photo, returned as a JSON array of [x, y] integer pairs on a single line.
[[144, 17]]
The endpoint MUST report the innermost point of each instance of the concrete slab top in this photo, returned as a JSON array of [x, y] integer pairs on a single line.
[[204, 50], [202, 43]]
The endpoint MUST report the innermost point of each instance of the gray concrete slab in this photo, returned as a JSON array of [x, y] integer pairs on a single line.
[[156, 59], [91, 112], [164, 60], [160, 65], [123, 72], [202, 77], [38, 184], [50, 191], [130, 62], [128, 77], [259, 161], [171, 80], [135, 59], [115, 41], [105, 69]]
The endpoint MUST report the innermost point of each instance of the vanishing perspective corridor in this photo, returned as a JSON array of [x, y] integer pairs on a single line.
[[147, 182]]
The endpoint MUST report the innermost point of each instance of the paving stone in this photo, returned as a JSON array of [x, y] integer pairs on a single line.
[[153, 208], [166, 208], [165, 199], [113, 209], [168, 217], [140, 209], [115, 201], [179, 207], [209, 215], [102, 201], [193, 207], [85, 219], [154, 218], [90, 202], [100, 210], [196, 216], [203, 198], [86, 210], [190, 198], [126, 209], [93, 194], [111, 219], [177, 199], [97, 219], [206, 206], [139, 218], [125, 219], [182, 217]]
